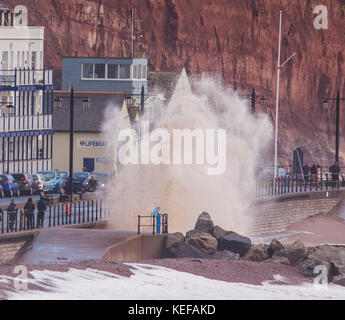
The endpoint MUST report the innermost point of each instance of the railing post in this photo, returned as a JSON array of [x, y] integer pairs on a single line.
[[88, 213], [96, 210], [79, 212], [58, 214], [138, 224], [100, 210], [2, 222], [49, 219], [153, 224], [92, 210]]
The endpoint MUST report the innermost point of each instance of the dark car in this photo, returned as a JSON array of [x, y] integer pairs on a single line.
[[77, 183], [26, 183], [9, 185]]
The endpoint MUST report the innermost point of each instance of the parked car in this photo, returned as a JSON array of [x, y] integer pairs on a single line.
[[267, 173], [9, 185], [101, 178], [41, 182], [77, 182], [53, 179], [26, 183]]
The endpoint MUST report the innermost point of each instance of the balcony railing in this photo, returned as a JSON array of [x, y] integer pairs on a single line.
[[20, 123], [26, 77]]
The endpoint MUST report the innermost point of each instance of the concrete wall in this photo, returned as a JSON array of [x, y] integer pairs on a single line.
[[277, 213], [138, 248], [12, 245]]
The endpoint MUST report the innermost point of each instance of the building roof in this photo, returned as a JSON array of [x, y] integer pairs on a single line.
[[162, 82], [85, 120]]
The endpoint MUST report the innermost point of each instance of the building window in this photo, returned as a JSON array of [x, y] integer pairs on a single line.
[[99, 71], [139, 71], [135, 71], [113, 71], [144, 74], [87, 70], [33, 60], [125, 71]]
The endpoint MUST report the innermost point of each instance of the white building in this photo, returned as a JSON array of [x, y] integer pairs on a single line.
[[26, 95]]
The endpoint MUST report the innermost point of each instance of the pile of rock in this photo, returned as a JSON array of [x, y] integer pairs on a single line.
[[206, 241], [212, 242]]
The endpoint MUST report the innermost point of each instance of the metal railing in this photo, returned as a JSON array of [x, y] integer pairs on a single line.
[[266, 188], [70, 213], [158, 223]]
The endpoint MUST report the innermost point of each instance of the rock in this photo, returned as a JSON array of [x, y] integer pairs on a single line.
[[332, 254], [234, 243], [298, 244], [204, 242], [204, 223], [219, 232], [184, 250], [274, 246], [307, 266], [280, 259], [190, 233], [172, 238], [339, 280], [257, 252], [296, 254], [226, 255]]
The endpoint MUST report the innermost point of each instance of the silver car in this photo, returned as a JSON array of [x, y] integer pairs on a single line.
[[42, 183]]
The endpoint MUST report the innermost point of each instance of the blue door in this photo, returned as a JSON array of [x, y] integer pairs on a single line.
[[89, 164]]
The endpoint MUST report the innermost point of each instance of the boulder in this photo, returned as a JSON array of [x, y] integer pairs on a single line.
[[257, 252], [332, 254], [226, 255], [307, 266], [184, 250], [219, 232], [204, 223], [280, 259], [204, 242], [190, 233], [298, 244], [172, 238], [339, 280], [234, 243], [274, 246], [296, 254]]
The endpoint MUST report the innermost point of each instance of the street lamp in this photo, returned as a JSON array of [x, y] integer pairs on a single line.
[[279, 66], [325, 106], [86, 103]]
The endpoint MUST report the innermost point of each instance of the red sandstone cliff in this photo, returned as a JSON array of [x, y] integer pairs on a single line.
[[234, 38]]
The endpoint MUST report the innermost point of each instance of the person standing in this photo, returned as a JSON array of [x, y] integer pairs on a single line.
[[92, 184], [11, 214], [41, 208], [306, 173], [29, 210], [334, 170]]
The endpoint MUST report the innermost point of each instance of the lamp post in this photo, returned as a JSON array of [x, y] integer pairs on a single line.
[[325, 106], [86, 105], [279, 66]]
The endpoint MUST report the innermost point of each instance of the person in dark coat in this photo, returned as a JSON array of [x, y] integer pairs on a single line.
[[92, 184], [41, 208], [334, 170], [29, 211], [11, 212], [306, 173]]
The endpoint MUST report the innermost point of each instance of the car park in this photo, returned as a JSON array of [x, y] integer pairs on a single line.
[[26, 183], [9, 185]]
